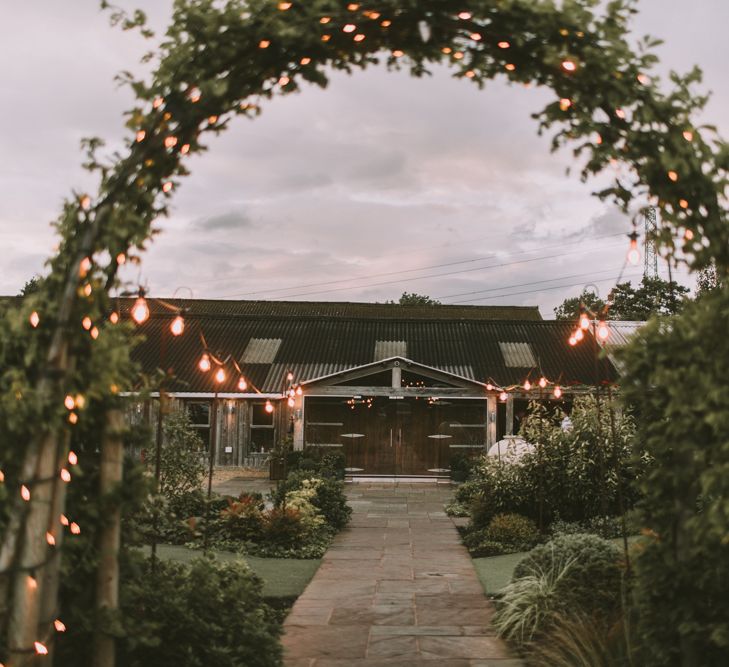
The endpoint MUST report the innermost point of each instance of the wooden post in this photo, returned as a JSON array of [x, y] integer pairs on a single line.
[[213, 436], [510, 415], [107, 575], [491, 412]]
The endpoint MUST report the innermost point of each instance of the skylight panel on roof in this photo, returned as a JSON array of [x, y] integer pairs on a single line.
[[385, 349], [518, 355], [261, 350]]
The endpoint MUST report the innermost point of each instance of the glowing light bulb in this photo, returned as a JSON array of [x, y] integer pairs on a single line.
[[177, 326], [72, 458], [94, 333], [489, 386], [565, 103], [195, 95], [64, 520], [305, 61], [32, 582], [299, 391], [2, 476], [359, 38], [167, 186], [283, 6], [464, 16], [290, 376], [140, 310], [673, 176], [569, 66], [603, 331], [503, 45], [121, 258], [204, 363], [72, 418], [503, 396], [688, 135], [40, 649], [220, 375], [572, 340], [170, 142], [158, 102], [291, 402], [141, 135], [75, 528], [683, 203], [350, 27], [584, 322], [59, 625], [34, 319], [65, 475], [269, 407], [557, 392], [69, 402], [510, 67], [542, 382], [634, 252], [50, 539], [527, 385], [86, 323], [264, 44], [579, 335], [476, 37]]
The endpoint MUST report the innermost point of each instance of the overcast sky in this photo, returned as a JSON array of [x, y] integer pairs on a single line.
[[378, 185]]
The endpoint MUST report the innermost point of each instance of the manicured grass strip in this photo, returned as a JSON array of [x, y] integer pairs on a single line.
[[495, 572], [282, 577]]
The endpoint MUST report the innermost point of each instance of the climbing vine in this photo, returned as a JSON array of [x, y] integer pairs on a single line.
[[64, 350]]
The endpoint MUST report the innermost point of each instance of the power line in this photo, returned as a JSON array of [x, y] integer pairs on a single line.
[[437, 275], [403, 271]]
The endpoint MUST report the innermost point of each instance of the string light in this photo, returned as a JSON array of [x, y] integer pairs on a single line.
[[584, 322], [64, 520], [291, 402], [32, 582], [140, 309], [73, 418], [568, 66], [572, 340], [542, 382], [75, 528], [489, 386], [40, 649], [141, 134], [565, 103], [633, 250], [50, 539], [72, 458], [476, 37], [94, 333], [283, 6], [350, 27], [220, 375], [65, 475], [527, 385], [264, 44], [503, 45], [167, 186], [557, 392], [299, 391], [86, 323], [673, 176], [177, 326], [464, 16], [579, 335], [34, 319], [602, 330], [688, 135], [204, 363], [510, 67], [69, 402], [503, 396], [242, 384], [2, 476], [269, 407], [59, 625]]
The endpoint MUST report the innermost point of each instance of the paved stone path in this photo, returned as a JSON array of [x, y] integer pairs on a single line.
[[395, 588]]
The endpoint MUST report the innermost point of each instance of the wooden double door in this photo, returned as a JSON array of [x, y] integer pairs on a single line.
[[381, 436]]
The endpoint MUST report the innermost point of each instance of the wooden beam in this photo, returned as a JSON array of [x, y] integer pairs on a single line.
[[405, 392]]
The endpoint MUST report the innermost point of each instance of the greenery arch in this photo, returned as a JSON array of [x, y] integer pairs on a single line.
[[219, 60]]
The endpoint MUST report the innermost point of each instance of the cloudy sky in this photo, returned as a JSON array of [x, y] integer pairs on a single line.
[[378, 185]]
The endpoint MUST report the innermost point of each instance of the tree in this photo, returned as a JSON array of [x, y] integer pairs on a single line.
[[570, 309], [707, 280], [31, 286], [414, 299], [654, 296]]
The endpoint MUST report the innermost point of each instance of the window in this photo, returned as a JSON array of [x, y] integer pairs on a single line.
[[199, 414], [262, 429]]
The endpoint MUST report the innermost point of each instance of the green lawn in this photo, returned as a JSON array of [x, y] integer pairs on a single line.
[[282, 577], [495, 571]]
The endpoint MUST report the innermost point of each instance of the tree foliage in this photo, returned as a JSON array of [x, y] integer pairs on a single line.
[[414, 299], [653, 296], [676, 379]]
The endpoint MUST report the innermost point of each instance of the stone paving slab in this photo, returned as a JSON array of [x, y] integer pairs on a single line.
[[396, 588]]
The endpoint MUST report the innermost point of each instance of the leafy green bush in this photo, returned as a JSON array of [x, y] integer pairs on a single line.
[[592, 582], [329, 498], [182, 457], [315, 462], [607, 527], [676, 381], [283, 527], [571, 475], [505, 534], [461, 466], [201, 614]]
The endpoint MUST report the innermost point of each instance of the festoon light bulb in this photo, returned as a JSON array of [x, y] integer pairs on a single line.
[[177, 326], [204, 363], [140, 309]]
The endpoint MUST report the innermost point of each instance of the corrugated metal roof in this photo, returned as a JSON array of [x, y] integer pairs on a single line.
[[621, 331], [385, 349], [314, 347], [517, 355], [261, 350]]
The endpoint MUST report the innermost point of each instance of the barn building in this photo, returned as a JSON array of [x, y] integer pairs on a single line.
[[398, 389]]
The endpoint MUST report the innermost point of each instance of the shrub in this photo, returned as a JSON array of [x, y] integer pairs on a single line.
[[243, 519], [207, 613], [461, 466], [506, 533], [329, 498], [182, 457], [283, 527], [591, 584]]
